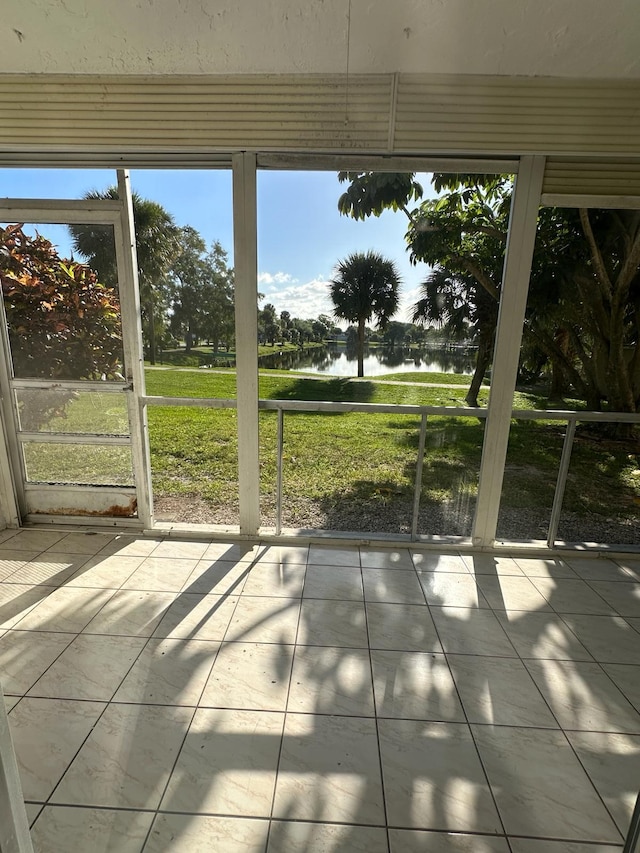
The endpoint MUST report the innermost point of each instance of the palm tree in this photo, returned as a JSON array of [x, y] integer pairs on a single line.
[[158, 244], [458, 304], [366, 285]]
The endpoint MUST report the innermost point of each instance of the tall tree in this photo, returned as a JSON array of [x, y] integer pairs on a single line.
[[583, 311], [365, 286], [268, 324], [456, 303], [201, 288], [157, 245], [220, 299]]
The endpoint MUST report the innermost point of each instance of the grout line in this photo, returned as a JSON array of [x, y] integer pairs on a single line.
[[375, 717], [562, 730], [286, 711], [295, 713], [473, 739]]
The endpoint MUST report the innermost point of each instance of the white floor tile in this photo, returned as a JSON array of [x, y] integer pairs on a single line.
[[254, 676], [582, 696], [169, 672], [539, 785], [297, 836], [227, 764], [127, 758], [329, 770], [199, 834], [61, 829], [25, 655], [46, 734], [331, 681], [327, 555], [414, 685], [420, 841], [386, 558], [612, 761], [499, 690], [433, 778], [338, 582], [91, 667], [392, 586], [404, 627]]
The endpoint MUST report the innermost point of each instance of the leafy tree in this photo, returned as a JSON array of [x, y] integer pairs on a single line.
[[187, 283], [157, 244], [201, 292], [371, 193], [285, 325], [62, 322], [302, 330], [365, 286], [320, 329], [332, 330], [458, 304], [220, 299], [268, 324], [396, 334], [583, 309]]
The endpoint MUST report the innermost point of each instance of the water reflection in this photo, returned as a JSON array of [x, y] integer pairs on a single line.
[[340, 360]]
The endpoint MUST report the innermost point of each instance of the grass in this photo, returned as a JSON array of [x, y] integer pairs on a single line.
[[431, 378], [336, 464]]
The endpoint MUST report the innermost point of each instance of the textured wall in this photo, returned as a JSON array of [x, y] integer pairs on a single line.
[[578, 38]]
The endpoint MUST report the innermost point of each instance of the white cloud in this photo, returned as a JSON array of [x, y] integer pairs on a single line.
[[311, 298], [305, 300], [275, 278], [408, 299]]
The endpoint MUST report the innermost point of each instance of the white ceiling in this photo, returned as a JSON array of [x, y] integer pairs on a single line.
[[562, 38]]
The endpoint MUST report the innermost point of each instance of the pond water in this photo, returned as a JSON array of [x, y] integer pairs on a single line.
[[340, 360]]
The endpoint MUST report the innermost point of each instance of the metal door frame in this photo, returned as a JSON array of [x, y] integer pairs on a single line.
[[119, 215]]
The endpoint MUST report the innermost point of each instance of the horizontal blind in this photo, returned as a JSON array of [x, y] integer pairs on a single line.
[[169, 114], [616, 177], [588, 130], [517, 115]]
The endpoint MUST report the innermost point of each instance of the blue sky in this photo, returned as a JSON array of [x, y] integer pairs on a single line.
[[301, 235]]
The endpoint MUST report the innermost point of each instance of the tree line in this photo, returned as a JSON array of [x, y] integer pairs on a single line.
[[582, 325]]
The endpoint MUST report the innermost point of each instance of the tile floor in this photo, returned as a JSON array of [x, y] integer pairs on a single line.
[[188, 696]]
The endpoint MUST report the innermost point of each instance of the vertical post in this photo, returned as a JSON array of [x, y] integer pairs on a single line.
[[632, 841], [418, 485], [127, 262], [14, 828], [12, 498], [563, 470], [513, 302], [279, 450], [245, 262]]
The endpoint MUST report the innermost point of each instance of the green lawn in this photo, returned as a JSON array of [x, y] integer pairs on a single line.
[[346, 471], [350, 467]]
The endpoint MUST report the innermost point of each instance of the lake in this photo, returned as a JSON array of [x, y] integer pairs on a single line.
[[339, 360]]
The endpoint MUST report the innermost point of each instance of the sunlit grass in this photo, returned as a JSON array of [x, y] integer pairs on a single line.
[[366, 459], [372, 457]]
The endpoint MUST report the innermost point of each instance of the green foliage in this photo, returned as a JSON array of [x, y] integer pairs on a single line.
[[344, 463], [201, 298], [63, 324], [374, 192], [269, 327], [582, 321], [366, 286], [158, 244]]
